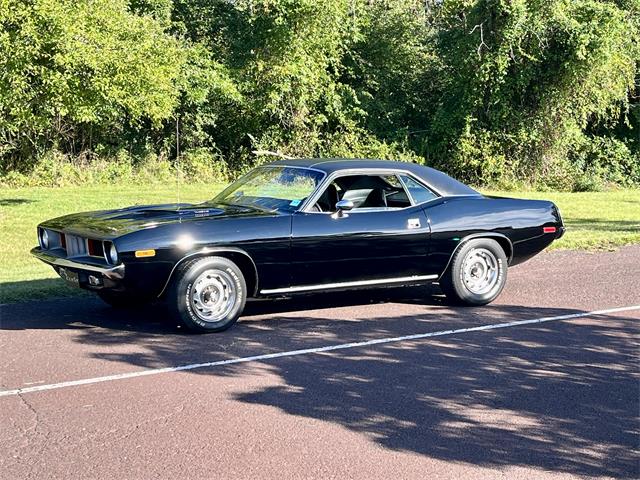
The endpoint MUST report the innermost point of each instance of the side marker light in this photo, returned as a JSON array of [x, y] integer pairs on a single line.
[[145, 253]]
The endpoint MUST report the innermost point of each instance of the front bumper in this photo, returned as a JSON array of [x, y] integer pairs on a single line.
[[91, 273]]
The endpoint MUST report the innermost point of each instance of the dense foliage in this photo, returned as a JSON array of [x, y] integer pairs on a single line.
[[493, 91]]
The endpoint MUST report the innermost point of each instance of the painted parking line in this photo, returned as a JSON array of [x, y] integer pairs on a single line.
[[307, 351]]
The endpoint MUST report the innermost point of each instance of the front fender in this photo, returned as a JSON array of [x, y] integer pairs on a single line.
[[242, 258]]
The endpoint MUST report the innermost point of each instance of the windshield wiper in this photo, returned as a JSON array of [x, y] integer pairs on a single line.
[[244, 206], [262, 209]]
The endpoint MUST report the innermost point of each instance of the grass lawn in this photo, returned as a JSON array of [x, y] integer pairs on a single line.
[[594, 220], [21, 209]]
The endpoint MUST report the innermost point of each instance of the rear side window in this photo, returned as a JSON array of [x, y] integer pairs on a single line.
[[418, 192]]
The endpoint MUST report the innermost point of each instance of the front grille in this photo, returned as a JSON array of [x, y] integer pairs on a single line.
[[76, 246], [95, 247], [71, 246]]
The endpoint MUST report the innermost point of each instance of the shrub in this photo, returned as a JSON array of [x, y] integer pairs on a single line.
[[607, 160], [201, 165], [57, 170]]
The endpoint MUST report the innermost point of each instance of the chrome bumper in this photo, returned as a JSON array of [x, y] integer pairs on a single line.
[[561, 231], [112, 273]]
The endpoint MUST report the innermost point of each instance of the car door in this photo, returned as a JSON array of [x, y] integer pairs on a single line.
[[360, 245]]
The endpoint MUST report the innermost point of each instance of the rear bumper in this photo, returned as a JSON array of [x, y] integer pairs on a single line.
[[90, 274]]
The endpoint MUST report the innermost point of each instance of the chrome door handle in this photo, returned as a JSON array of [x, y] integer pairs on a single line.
[[413, 223]]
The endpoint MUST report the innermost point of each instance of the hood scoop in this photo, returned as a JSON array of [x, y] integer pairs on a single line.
[[175, 211], [189, 212]]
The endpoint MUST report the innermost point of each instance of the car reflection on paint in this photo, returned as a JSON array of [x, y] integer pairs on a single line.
[[298, 226]]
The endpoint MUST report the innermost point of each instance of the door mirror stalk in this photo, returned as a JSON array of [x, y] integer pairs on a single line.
[[342, 207]]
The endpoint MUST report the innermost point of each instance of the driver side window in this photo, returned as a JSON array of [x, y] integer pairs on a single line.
[[419, 192], [328, 199], [366, 192]]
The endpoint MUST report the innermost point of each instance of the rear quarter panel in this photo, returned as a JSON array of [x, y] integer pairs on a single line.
[[455, 218]]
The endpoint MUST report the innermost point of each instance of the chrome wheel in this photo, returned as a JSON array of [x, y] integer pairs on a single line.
[[480, 271], [213, 295]]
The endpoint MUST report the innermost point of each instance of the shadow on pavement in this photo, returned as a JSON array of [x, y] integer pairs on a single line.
[[153, 318], [559, 396]]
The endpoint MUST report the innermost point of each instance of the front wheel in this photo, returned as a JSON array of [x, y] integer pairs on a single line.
[[208, 294], [477, 273]]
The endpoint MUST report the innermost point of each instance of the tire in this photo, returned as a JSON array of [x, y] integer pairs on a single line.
[[122, 301], [477, 273], [208, 294]]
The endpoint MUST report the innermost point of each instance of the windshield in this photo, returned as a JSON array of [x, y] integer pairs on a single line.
[[271, 188]]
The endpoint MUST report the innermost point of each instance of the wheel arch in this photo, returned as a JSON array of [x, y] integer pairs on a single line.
[[502, 240], [238, 256]]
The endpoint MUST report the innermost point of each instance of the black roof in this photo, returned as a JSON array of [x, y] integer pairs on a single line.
[[441, 182]]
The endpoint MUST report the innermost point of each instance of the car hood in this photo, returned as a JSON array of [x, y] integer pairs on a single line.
[[113, 223]]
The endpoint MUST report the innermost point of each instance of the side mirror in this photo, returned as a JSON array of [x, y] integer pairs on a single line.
[[344, 205], [341, 207]]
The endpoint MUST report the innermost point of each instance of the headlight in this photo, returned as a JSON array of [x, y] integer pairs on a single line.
[[44, 239], [110, 253]]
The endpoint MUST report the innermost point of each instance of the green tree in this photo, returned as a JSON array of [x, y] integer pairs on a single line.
[[74, 72], [525, 80], [489, 90]]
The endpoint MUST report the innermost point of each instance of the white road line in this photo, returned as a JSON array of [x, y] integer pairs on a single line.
[[305, 351]]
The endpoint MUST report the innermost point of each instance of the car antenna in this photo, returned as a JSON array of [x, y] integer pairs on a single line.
[[178, 173]]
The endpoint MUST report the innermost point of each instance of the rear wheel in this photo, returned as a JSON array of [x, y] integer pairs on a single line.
[[208, 294], [477, 273]]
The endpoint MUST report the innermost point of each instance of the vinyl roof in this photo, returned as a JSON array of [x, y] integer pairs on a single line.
[[443, 183]]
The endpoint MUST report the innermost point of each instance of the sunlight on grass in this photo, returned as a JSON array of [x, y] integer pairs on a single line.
[[594, 221], [21, 209]]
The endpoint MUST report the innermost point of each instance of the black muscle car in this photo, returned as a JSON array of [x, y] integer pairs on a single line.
[[297, 226]]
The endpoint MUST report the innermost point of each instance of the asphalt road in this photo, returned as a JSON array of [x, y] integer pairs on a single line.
[[557, 399]]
